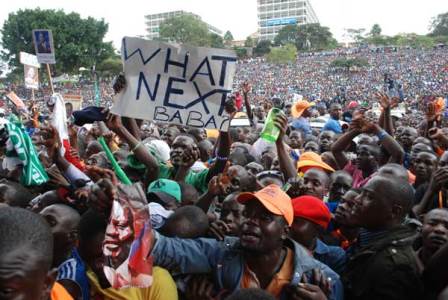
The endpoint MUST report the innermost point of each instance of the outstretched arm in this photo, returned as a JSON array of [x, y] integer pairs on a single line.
[[140, 151], [341, 144], [287, 166]]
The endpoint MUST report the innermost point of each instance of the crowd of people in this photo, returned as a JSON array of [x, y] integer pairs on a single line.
[[96, 206], [419, 72]]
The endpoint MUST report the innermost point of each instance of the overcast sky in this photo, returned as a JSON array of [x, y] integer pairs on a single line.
[[240, 16]]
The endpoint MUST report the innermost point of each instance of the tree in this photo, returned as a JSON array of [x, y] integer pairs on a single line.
[[228, 38], [283, 54], [439, 25], [375, 31], [216, 41], [78, 42], [414, 40], [249, 42], [313, 37], [110, 66], [286, 35], [348, 63], [263, 47], [184, 29], [241, 52], [355, 34]]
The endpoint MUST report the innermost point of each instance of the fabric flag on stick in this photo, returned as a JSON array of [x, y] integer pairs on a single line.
[[33, 172], [97, 94], [58, 120]]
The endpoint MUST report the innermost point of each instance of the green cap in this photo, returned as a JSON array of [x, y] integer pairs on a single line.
[[165, 187]]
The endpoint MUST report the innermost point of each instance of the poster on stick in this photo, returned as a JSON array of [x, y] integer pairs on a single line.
[[29, 59], [16, 100], [31, 77], [43, 45], [175, 83]]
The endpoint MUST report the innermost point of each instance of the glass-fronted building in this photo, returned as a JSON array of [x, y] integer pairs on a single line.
[[273, 15]]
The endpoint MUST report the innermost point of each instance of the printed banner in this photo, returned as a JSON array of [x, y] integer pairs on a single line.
[[43, 45], [31, 77], [177, 84]]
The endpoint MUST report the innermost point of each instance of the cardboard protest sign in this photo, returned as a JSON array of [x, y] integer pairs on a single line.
[[176, 84], [43, 45], [31, 77], [16, 100], [75, 100], [29, 59]]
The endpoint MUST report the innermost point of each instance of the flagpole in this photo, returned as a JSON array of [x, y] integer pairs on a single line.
[[49, 78]]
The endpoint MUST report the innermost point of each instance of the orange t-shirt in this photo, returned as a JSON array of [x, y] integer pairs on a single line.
[[58, 292], [278, 282]]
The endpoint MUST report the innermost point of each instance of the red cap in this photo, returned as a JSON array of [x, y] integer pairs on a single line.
[[353, 104], [312, 209]]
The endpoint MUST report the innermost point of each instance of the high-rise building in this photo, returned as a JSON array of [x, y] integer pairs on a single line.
[[273, 15], [153, 22]]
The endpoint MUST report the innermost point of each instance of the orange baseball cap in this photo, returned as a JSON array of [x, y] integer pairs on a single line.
[[299, 107], [273, 199], [311, 159]]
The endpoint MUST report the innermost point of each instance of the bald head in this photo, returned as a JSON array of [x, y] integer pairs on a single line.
[[383, 203], [394, 170]]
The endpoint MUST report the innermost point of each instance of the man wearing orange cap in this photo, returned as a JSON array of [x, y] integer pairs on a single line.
[[262, 257], [311, 218], [300, 112]]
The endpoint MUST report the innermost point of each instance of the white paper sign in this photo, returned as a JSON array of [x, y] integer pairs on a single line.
[[43, 44], [176, 84], [29, 59], [31, 77]]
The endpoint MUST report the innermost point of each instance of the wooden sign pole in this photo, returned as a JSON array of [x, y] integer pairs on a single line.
[[50, 79]]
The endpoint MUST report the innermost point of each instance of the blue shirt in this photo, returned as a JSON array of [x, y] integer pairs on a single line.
[[332, 256], [333, 125], [73, 269], [302, 124]]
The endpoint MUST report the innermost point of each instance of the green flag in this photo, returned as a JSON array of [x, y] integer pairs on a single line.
[[33, 172]]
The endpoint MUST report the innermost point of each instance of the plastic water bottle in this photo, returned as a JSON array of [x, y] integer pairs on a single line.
[[270, 131]]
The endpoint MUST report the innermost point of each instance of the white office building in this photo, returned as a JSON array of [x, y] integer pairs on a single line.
[[273, 15], [153, 22]]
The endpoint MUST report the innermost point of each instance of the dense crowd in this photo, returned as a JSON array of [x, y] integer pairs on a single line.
[[95, 206], [419, 72]]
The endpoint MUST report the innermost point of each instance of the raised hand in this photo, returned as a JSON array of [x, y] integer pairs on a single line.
[[218, 230], [102, 195], [363, 125], [281, 122], [385, 102], [230, 107], [200, 287], [97, 173], [119, 83], [431, 112], [113, 122], [246, 88], [50, 139]]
